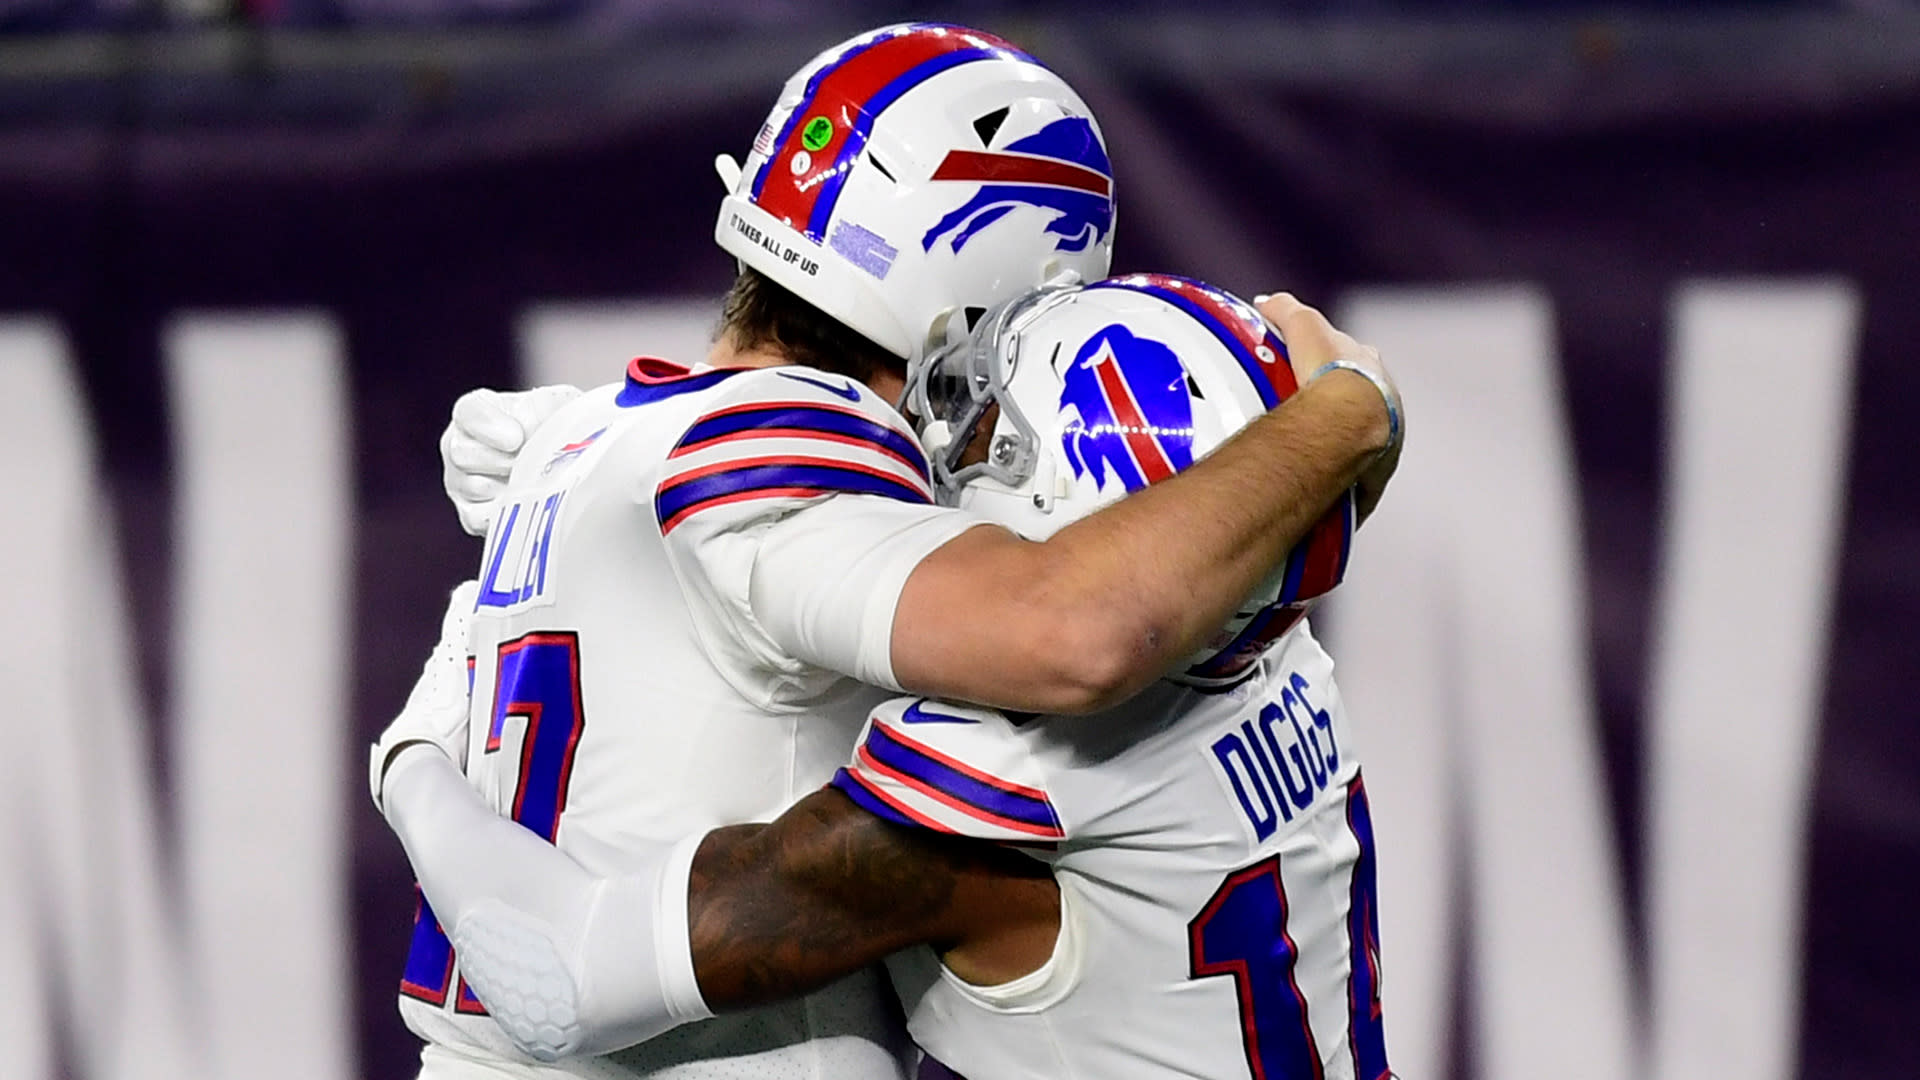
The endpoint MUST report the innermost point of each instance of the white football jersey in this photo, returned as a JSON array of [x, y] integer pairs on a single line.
[[658, 648], [1215, 858]]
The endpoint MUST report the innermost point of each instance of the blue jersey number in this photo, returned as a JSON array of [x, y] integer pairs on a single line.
[[537, 681], [1242, 932], [1366, 1034]]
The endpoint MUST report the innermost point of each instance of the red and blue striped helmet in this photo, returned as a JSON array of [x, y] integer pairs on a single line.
[[917, 171], [1104, 389]]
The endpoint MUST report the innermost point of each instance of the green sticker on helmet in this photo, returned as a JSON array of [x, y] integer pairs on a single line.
[[817, 133]]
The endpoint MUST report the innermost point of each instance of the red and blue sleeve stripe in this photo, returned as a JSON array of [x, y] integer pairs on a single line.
[[955, 784], [1314, 566], [1214, 310], [873, 801], [786, 476], [1250, 644], [763, 420], [852, 90], [1319, 561]]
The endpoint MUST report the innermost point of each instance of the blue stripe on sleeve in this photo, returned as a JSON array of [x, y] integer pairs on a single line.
[[677, 498], [1012, 805], [847, 783], [807, 418]]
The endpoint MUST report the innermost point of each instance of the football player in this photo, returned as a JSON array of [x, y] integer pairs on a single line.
[[742, 544], [1210, 908]]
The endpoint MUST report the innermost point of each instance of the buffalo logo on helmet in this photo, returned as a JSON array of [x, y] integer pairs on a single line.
[[1062, 168], [1130, 410]]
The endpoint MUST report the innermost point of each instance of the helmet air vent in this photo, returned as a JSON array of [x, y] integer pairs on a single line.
[[988, 126]]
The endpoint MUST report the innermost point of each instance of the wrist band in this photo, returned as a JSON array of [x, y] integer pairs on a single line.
[[1380, 384]]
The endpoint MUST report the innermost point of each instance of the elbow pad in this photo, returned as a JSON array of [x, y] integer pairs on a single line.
[[620, 975], [566, 962]]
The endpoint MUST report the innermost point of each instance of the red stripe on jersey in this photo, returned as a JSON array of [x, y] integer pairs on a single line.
[[962, 767], [809, 434], [841, 95], [732, 464], [954, 802], [1154, 463], [741, 496], [1001, 168], [823, 406], [875, 790]]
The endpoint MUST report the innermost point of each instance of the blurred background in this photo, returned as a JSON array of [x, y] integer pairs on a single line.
[[1631, 646]]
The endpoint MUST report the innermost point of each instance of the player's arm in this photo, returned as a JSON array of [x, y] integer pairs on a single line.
[[759, 913], [905, 846], [827, 888], [1111, 602], [569, 962], [906, 596], [798, 515]]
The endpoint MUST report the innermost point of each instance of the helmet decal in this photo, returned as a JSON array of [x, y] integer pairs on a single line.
[[800, 181], [1260, 352], [1062, 167], [1132, 410]]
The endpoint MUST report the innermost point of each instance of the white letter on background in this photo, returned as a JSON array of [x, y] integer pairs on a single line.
[[262, 507], [1757, 436], [1462, 643], [588, 345], [83, 904]]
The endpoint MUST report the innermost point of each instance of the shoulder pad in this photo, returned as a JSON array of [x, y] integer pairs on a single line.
[[951, 768], [785, 435]]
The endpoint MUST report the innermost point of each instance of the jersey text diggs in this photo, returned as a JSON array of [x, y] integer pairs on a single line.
[[1279, 762]]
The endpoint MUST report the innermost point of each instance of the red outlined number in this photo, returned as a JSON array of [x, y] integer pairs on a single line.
[[1242, 933], [537, 681]]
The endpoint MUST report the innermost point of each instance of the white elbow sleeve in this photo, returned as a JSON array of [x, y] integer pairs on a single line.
[[565, 961]]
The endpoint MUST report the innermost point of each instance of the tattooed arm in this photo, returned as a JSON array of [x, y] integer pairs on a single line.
[[826, 889], [741, 916]]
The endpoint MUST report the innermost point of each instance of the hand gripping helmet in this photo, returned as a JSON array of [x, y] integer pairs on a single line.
[[1104, 389], [917, 171]]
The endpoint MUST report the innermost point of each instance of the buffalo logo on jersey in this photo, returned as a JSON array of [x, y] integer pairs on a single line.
[[568, 453], [1132, 410], [1062, 168]]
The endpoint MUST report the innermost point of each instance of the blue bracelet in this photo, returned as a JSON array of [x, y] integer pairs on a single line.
[[1386, 395]]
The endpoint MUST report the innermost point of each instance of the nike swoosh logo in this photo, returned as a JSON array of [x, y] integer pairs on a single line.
[[917, 715], [847, 392]]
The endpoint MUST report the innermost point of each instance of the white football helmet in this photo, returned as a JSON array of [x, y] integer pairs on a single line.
[[1104, 389], [917, 171]]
